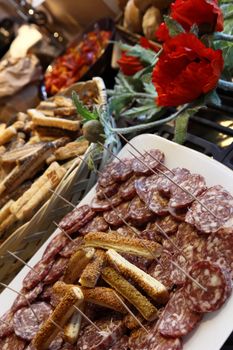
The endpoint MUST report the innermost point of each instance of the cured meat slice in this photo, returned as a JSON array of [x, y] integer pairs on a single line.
[[39, 272], [12, 343], [219, 202], [127, 190], [140, 166], [105, 179], [162, 271], [111, 331], [140, 262], [71, 247], [6, 328], [165, 185], [153, 340], [96, 224], [152, 232], [114, 217], [24, 322], [217, 283], [109, 191], [194, 184], [126, 231], [177, 319], [157, 203], [56, 271], [219, 249], [145, 185], [104, 204], [179, 214], [138, 214], [121, 344], [55, 345], [55, 246], [31, 296], [122, 170], [77, 218]]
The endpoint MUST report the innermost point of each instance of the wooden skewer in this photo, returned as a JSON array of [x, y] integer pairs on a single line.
[[58, 326], [130, 312], [24, 296], [161, 172], [63, 198], [114, 155], [6, 323], [22, 261], [65, 233], [87, 318]]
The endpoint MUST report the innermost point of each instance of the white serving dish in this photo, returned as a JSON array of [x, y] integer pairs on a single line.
[[215, 327]]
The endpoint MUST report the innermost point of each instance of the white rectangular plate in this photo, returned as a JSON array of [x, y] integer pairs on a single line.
[[215, 327]]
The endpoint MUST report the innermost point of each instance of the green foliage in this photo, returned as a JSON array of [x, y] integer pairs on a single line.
[[173, 26], [213, 98], [146, 55], [181, 124], [82, 110]]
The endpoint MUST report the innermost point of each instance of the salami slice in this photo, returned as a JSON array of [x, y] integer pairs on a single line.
[[179, 214], [145, 185], [104, 204], [177, 319], [127, 189], [217, 283], [105, 179], [56, 271], [138, 213], [165, 185], [96, 224], [90, 338], [6, 328], [219, 202], [71, 247], [140, 262], [41, 270], [152, 340], [77, 218], [122, 171], [114, 217], [126, 231], [140, 166], [109, 191], [121, 344], [219, 249], [12, 343], [194, 184], [162, 271], [157, 203], [168, 224], [29, 296], [25, 323], [55, 246]]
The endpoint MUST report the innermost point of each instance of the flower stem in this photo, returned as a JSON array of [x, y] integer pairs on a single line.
[[224, 37], [225, 85], [152, 124], [181, 127]]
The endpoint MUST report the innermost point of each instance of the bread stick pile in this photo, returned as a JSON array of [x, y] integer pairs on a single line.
[[36, 151]]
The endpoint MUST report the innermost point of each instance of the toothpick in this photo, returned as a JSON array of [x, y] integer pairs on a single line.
[[168, 177], [188, 275], [22, 261], [24, 296], [63, 198], [6, 323], [130, 312], [87, 318], [108, 150], [57, 325], [65, 233]]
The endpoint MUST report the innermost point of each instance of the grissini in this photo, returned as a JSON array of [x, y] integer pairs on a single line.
[[73, 326], [71, 150], [62, 101], [62, 313], [40, 119], [129, 292], [78, 261], [114, 240], [92, 271], [5, 211], [7, 134], [156, 290]]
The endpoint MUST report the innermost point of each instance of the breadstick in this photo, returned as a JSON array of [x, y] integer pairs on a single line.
[[92, 271], [7, 134]]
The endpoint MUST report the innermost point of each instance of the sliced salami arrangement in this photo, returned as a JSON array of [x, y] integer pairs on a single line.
[[137, 268]]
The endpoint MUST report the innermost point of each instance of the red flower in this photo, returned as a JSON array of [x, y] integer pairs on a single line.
[[147, 44], [201, 12], [129, 65], [162, 33], [186, 69]]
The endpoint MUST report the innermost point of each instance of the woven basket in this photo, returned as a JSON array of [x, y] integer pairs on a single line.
[[27, 239]]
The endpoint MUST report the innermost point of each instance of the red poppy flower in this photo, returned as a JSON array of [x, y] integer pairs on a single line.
[[148, 44], [162, 33], [129, 65], [202, 12], [186, 69]]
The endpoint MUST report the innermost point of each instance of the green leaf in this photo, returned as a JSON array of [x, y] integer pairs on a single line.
[[119, 103], [149, 88], [227, 51], [213, 99], [145, 112], [146, 55], [173, 26], [228, 18], [82, 110], [194, 29]]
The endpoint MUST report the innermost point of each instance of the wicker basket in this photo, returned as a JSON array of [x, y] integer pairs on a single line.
[[27, 239]]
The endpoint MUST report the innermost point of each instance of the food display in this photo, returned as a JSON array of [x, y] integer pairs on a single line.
[[76, 61], [37, 150], [126, 271]]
